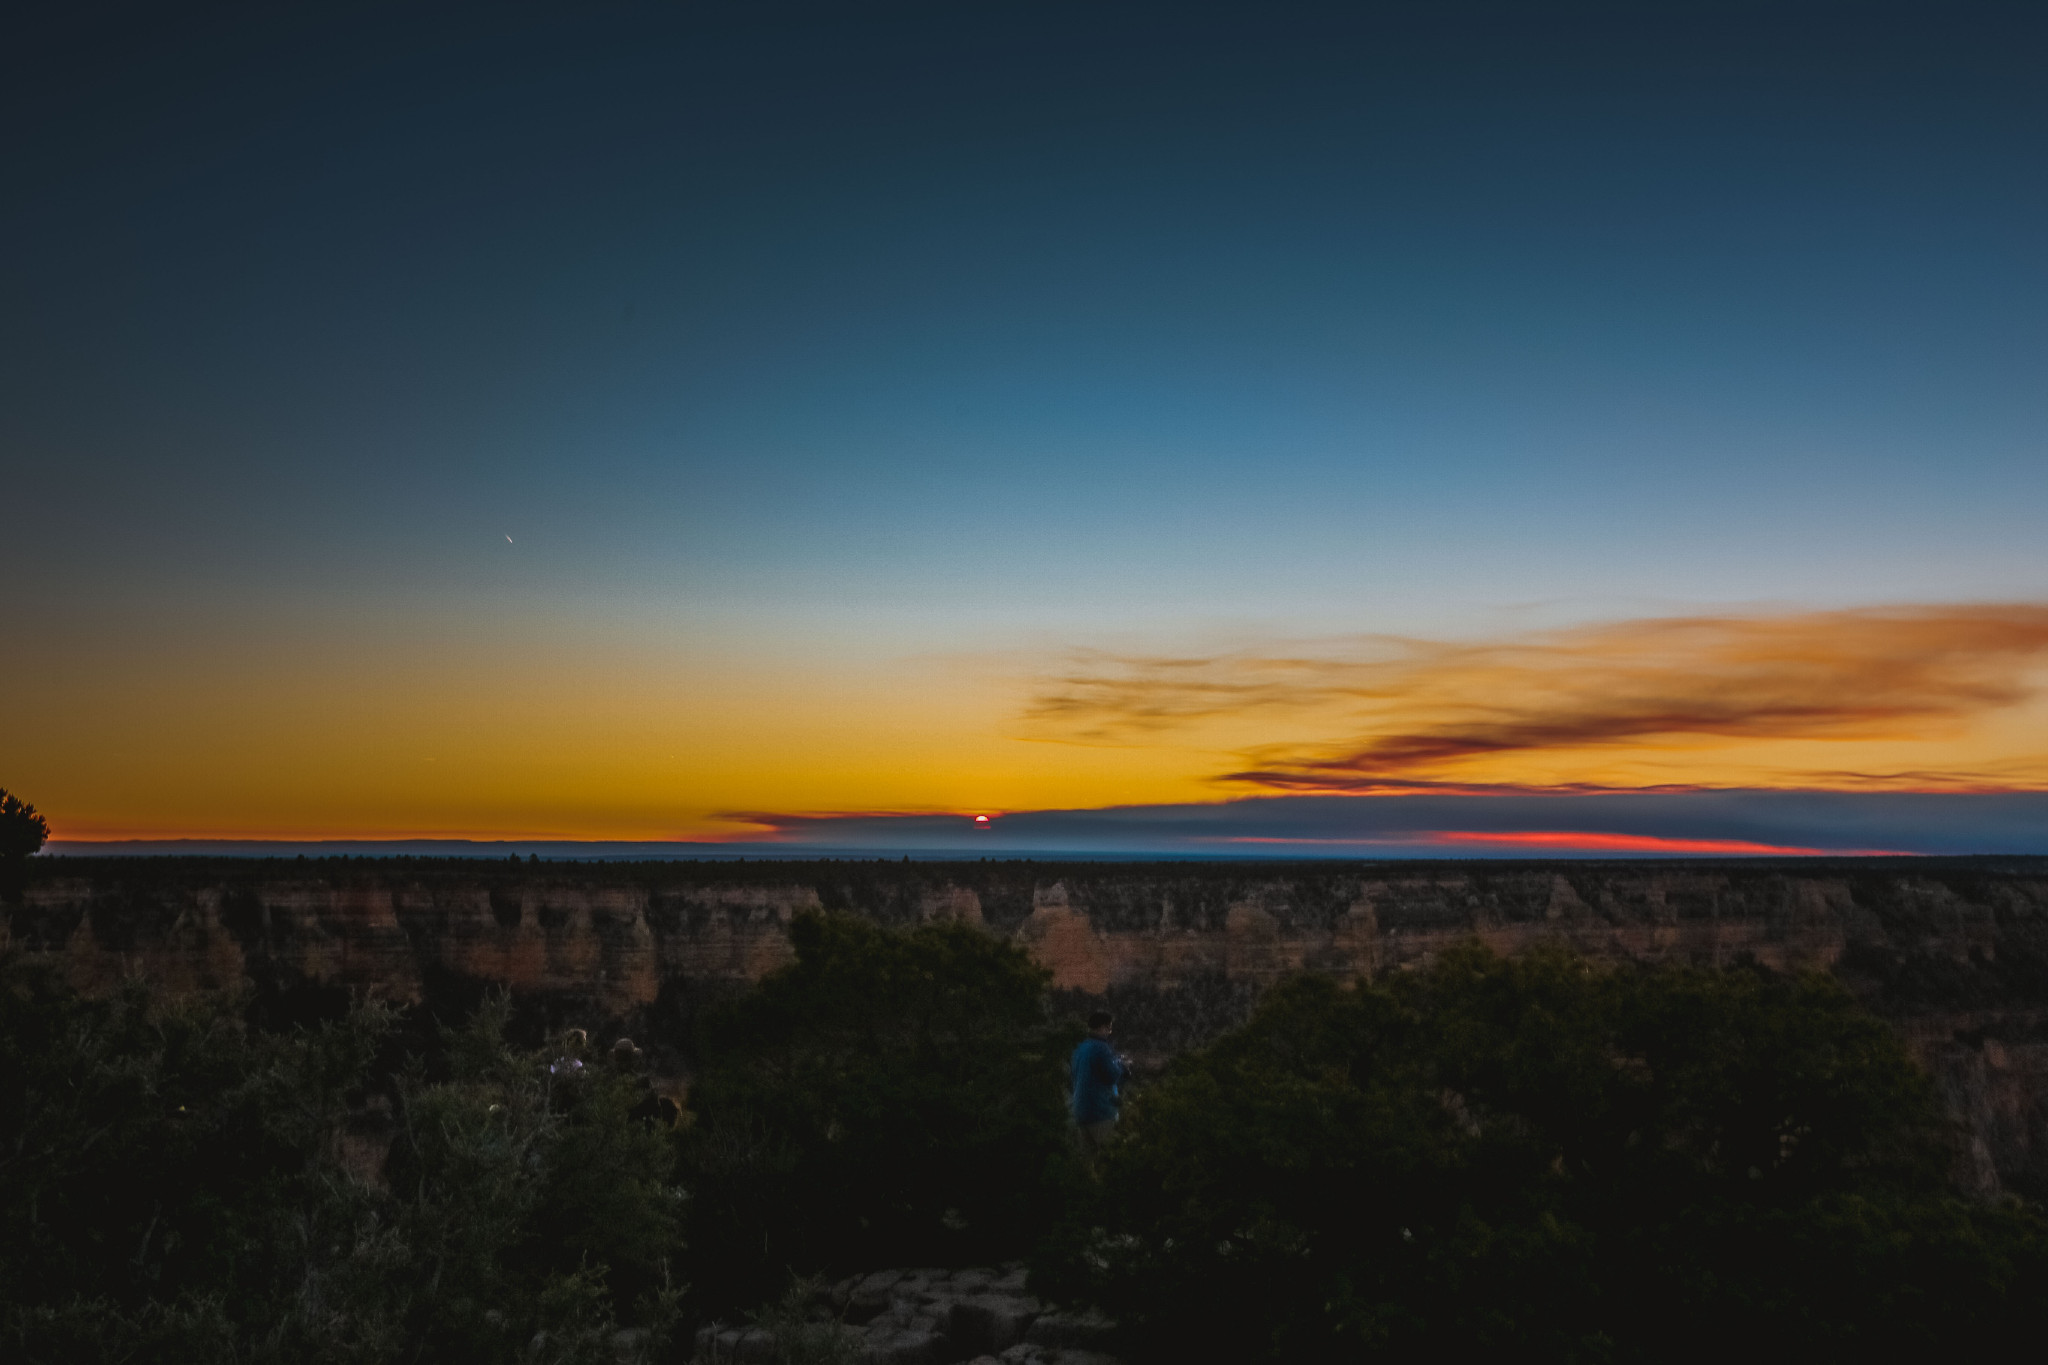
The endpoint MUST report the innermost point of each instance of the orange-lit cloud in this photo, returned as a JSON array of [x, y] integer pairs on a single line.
[[1914, 697]]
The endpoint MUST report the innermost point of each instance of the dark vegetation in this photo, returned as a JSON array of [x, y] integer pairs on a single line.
[[174, 1182], [23, 832], [1560, 1160], [173, 1188], [894, 1098], [1556, 1160]]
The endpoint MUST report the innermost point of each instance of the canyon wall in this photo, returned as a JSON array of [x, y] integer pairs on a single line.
[[1953, 952]]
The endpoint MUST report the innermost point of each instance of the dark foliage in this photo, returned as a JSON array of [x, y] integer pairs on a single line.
[[1558, 1161], [1537, 1156], [173, 1188], [143, 1148], [22, 834], [894, 1097], [22, 830]]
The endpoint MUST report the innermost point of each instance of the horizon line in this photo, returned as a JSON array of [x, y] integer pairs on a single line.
[[1302, 851]]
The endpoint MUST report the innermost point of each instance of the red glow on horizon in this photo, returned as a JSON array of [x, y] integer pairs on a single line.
[[1643, 843]]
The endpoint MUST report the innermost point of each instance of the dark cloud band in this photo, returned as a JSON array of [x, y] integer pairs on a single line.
[[1505, 823]]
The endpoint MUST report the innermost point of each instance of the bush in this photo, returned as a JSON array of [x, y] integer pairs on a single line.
[[523, 1206], [891, 1098], [171, 1190], [1541, 1156], [149, 1150]]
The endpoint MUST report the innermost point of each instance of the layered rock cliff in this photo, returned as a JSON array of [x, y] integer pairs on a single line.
[[1953, 952]]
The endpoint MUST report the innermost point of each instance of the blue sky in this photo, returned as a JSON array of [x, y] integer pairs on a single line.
[[822, 341]]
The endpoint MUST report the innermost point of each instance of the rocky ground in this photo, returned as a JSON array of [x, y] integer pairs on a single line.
[[917, 1317]]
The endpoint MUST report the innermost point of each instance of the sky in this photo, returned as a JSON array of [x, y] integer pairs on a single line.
[[1278, 428]]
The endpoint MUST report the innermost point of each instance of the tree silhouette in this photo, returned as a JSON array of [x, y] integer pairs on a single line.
[[22, 830]]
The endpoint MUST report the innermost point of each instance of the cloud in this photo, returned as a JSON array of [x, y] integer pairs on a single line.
[[1407, 714], [1467, 824], [1496, 824]]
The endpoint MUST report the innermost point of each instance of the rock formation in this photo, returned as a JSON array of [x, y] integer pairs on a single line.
[[925, 1317], [1953, 952]]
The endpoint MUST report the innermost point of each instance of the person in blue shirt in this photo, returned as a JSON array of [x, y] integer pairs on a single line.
[[1099, 1075]]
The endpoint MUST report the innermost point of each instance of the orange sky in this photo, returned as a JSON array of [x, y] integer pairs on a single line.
[[590, 730]]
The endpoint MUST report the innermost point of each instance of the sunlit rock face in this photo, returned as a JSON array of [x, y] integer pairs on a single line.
[[1954, 953]]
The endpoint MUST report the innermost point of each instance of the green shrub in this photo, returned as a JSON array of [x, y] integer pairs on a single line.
[[171, 1190], [1557, 1160], [523, 1206], [151, 1150], [891, 1098]]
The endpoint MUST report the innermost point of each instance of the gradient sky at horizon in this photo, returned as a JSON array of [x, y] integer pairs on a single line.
[[535, 420]]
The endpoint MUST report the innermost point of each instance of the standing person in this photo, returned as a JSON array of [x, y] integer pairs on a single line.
[[1099, 1075], [626, 1057], [648, 1106]]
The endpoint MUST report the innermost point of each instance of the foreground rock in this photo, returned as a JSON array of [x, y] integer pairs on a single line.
[[919, 1317]]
